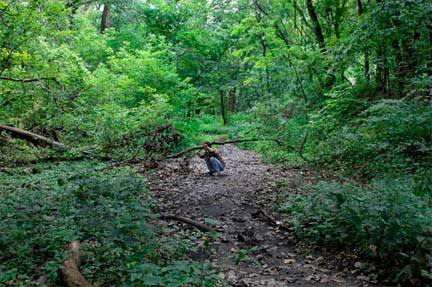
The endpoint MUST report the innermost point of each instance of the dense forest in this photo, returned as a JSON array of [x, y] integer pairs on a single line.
[[95, 94]]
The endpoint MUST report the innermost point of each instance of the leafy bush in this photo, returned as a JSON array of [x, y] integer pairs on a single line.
[[385, 221], [42, 208], [388, 137]]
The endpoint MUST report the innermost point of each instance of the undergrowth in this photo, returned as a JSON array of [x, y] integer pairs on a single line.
[[385, 222], [44, 207]]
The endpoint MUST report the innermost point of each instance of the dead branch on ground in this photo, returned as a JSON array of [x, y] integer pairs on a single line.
[[187, 220], [32, 137]]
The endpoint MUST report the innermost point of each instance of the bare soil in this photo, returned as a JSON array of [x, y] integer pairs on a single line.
[[250, 249]]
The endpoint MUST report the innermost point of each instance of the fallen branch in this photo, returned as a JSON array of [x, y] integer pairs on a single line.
[[177, 155], [31, 137], [69, 273], [28, 80], [187, 220]]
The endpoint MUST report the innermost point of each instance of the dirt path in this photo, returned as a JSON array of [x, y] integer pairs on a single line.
[[268, 256]]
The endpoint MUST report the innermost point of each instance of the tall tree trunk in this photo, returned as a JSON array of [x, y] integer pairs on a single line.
[[399, 67], [360, 10], [331, 78], [264, 54], [409, 57], [400, 61], [106, 18], [316, 25], [222, 107], [366, 66], [429, 92], [231, 100], [382, 71]]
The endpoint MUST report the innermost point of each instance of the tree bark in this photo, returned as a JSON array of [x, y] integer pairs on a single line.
[[264, 54], [382, 70], [32, 137], [399, 67], [106, 18], [29, 80], [360, 10], [316, 25], [222, 107], [429, 91], [180, 154], [409, 58], [232, 100], [190, 221], [69, 273]]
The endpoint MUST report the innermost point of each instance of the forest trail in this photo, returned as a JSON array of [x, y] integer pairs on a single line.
[[233, 200]]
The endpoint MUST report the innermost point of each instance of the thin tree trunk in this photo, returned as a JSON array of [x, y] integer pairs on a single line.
[[409, 58], [360, 10], [382, 71], [236, 98], [399, 68], [264, 54], [231, 100], [366, 66], [316, 25], [386, 79], [222, 107], [106, 18], [429, 92], [184, 152]]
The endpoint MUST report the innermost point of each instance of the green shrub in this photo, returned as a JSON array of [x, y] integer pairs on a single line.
[[391, 136], [385, 221]]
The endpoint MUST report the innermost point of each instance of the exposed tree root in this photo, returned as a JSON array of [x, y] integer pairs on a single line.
[[69, 273]]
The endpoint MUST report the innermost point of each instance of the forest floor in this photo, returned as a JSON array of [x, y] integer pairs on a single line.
[[248, 249]]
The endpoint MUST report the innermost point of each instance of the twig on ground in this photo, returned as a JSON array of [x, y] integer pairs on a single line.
[[187, 220]]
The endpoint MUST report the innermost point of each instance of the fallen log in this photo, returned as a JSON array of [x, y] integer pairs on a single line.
[[69, 273], [177, 155], [32, 137], [187, 220]]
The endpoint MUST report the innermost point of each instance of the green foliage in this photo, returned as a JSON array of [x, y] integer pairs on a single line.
[[46, 206], [206, 128], [385, 221], [391, 136], [355, 103]]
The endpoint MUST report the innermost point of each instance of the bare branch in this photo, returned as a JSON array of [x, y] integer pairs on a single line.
[[30, 80]]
